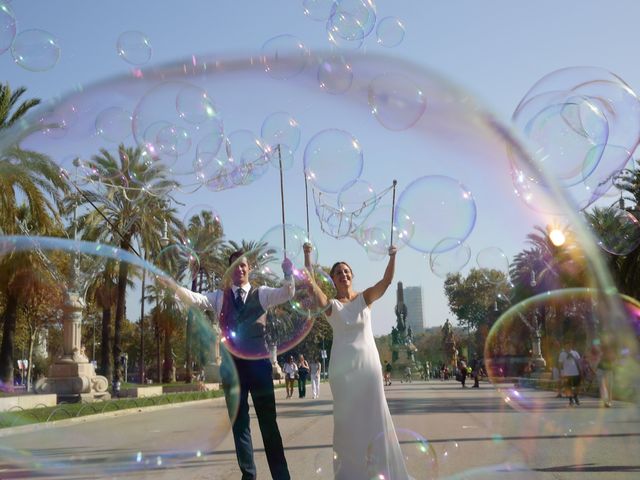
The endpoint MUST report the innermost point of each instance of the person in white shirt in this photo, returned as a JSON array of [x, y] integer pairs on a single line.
[[290, 370], [316, 369], [242, 313], [569, 361]]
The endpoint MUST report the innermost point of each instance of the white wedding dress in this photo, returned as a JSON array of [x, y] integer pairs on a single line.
[[364, 440]]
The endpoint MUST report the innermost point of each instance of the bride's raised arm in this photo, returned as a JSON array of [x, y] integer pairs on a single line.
[[372, 294], [321, 298]]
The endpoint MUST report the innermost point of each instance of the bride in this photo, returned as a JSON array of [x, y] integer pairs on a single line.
[[361, 418]]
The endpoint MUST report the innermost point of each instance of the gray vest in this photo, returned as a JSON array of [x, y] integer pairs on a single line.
[[244, 326]]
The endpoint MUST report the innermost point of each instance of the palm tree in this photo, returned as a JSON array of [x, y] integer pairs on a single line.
[[132, 213], [9, 114], [34, 178], [30, 187], [204, 236], [25, 174], [103, 292], [624, 268], [545, 267]]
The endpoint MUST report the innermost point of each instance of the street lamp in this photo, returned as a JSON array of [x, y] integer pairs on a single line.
[[323, 354], [164, 240]]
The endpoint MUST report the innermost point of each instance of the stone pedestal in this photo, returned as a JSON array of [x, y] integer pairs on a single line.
[[539, 363], [277, 373], [212, 373], [72, 377], [212, 369], [74, 380], [404, 355]]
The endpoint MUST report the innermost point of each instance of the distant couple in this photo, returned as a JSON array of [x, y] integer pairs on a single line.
[[361, 414]]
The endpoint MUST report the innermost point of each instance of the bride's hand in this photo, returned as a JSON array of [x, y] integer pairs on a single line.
[[393, 250]]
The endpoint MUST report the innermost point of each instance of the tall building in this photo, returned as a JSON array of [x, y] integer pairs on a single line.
[[414, 303]]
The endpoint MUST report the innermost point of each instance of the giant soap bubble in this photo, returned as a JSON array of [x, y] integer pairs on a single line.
[[456, 165]]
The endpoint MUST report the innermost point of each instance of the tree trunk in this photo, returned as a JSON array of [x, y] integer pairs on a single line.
[[188, 334], [141, 373], [8, 337], [105, 345], [33, 338], [169, 361], [123, 273], [158, 350]]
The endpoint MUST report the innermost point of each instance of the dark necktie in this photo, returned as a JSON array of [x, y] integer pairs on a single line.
[[239, 297]]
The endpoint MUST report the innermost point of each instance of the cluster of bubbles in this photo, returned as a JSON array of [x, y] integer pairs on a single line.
[[583, 125], [349, 22], [178, 128]]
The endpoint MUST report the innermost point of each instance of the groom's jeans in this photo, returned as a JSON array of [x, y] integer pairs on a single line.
[[254, 376]]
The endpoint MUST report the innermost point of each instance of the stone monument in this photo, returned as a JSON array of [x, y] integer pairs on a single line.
[[402, 347], [449, 349], [72, 377]]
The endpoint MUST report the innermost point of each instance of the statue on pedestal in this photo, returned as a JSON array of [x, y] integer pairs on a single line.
[[403, 349], [448, 343]]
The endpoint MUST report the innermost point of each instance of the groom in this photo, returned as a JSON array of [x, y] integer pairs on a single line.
[[242, 312]]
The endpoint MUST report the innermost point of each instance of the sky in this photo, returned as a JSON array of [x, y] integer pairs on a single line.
[[493, 50]]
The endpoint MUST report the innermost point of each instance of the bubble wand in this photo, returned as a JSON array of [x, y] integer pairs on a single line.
[[393, 207], [284, 236], [306, 200]]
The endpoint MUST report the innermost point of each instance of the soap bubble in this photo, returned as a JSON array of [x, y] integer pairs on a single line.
[[390, 32], [35, 50], [333, 160], [134, 47]]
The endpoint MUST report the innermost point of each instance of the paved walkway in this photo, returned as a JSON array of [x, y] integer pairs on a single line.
[[468, 433]]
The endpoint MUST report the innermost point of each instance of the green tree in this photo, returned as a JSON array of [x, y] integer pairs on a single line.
[[132, 213], [30, 187], [20, 273], [470, 298]]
